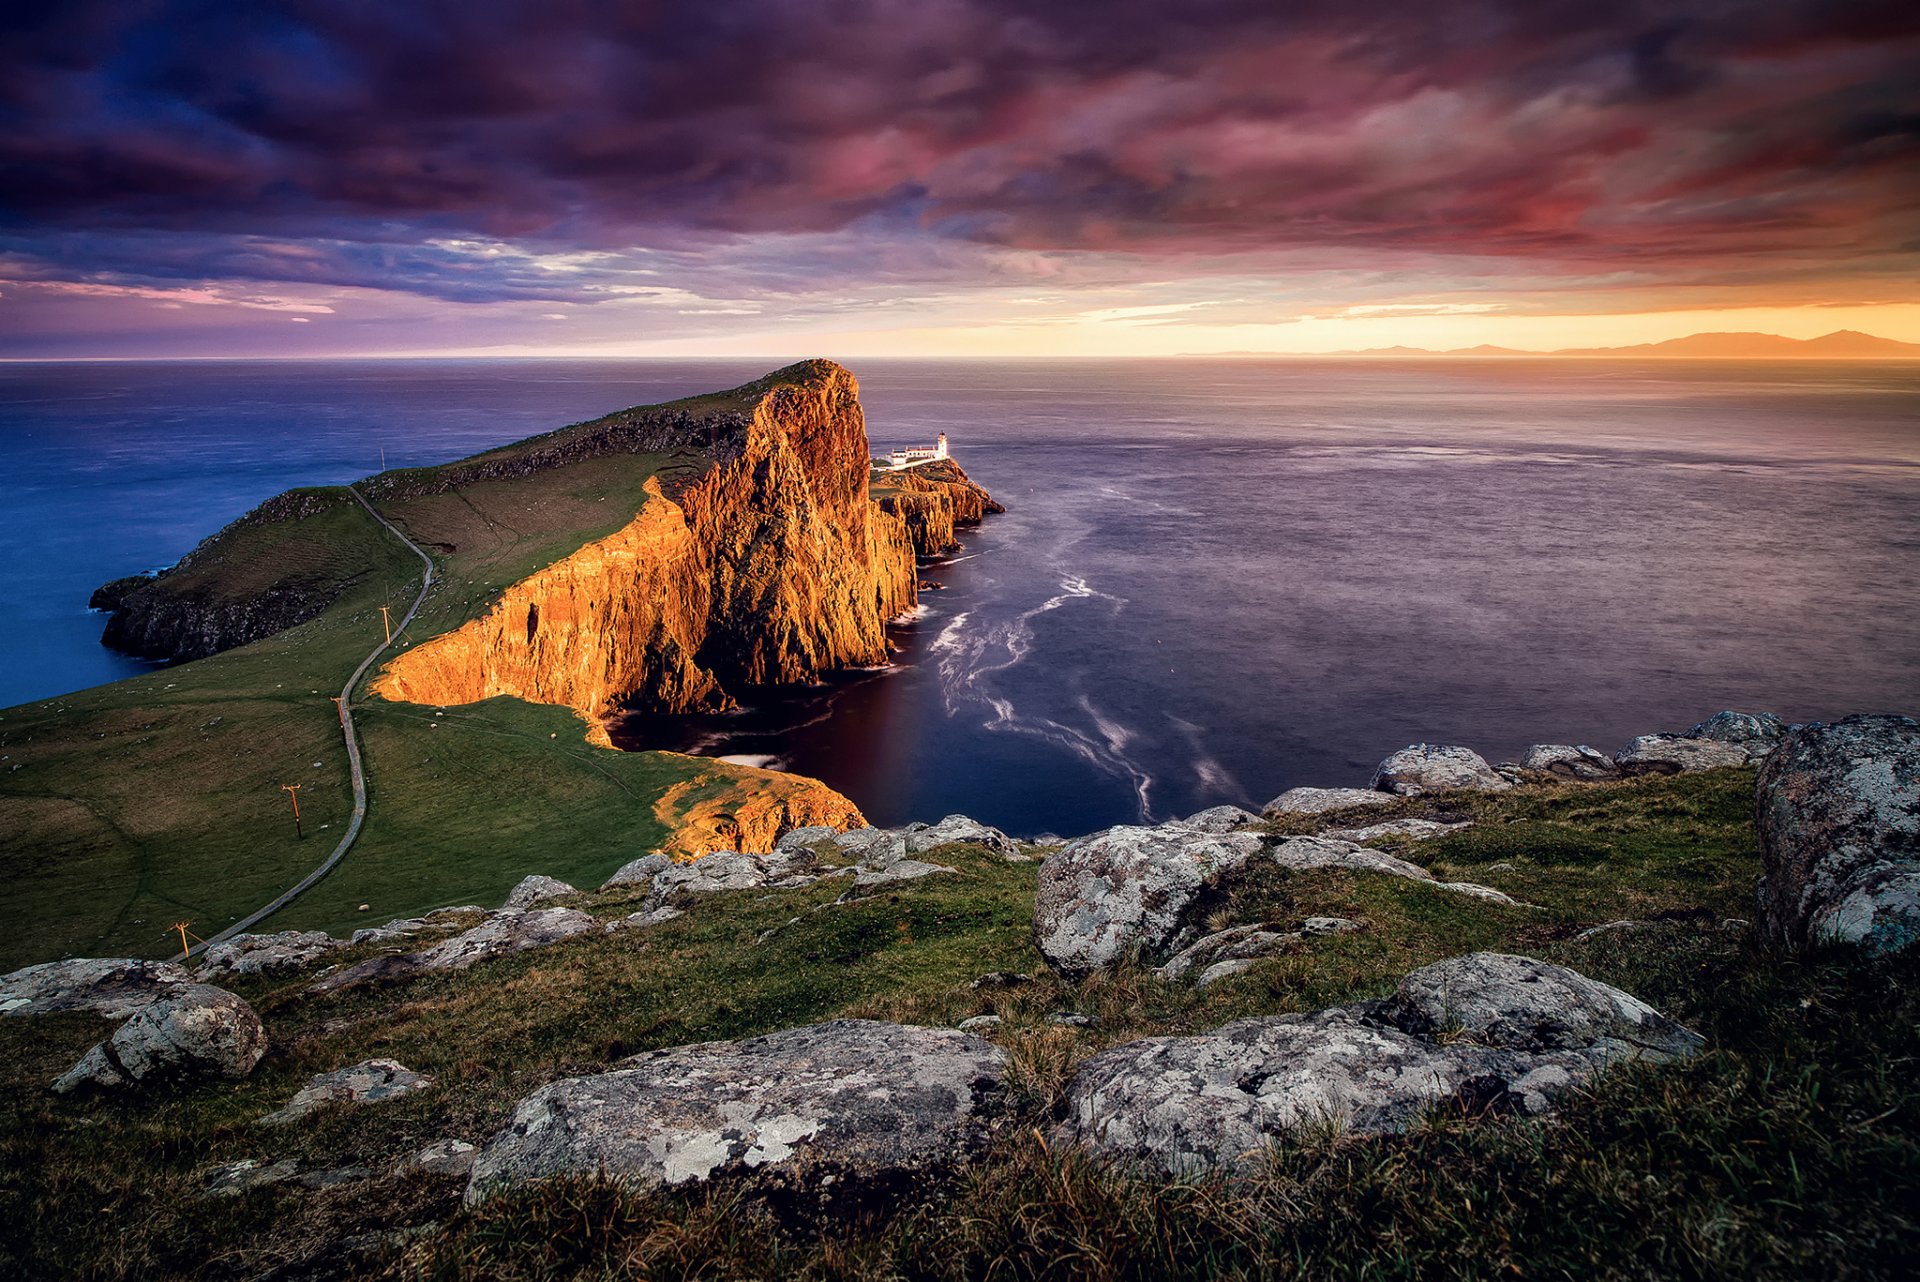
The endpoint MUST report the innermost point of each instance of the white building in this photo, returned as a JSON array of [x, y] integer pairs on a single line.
[[919, 454]]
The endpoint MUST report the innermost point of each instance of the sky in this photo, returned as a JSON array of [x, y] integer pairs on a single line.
[[181, 178]]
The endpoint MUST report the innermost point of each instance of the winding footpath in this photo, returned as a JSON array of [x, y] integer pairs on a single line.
[[358, 770]]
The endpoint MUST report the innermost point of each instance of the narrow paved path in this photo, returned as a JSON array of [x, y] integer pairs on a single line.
[[353, 750]]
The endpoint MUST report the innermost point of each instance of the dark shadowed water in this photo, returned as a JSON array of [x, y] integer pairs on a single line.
[[1216, 579]]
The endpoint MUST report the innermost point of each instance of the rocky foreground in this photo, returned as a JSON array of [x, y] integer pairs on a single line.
[[846, 1115]]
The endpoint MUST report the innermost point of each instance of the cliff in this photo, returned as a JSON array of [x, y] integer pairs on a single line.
[[932, 499], [759, 559]]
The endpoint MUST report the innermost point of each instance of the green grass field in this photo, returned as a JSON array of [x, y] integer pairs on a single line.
[[1791, 1149]]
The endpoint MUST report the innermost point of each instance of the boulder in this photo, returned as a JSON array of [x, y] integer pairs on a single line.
[[1221, 819], [898, 870], [1303, 853], [1249, 943], [371, 1081], [870, 847], [197, 1031], [1673, 754], [1190, 1104], [264, 954], [1318, 801], [403, 928], [807, 838], [637, 873], [921, 837], [1839, 817], [1418, 829], [734, 870], [1423, 768], [848, 1108], [645, 919], [535, 890], [1130, 890], [1757, 733], [111, 987], [1570, 761], [447, 1159], [505, 933]]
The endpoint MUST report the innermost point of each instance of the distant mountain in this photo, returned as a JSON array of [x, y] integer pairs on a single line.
[[1842, 344]]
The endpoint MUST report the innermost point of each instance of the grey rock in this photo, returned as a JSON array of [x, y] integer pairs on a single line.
[[1002, 979], [403, 928], [1318, 801], [1672, 754], [638, 872], [437, 916], [1221, 819], [1192, 1104], [921, 838], [843, 1108], [1420, 769], [236, 1178], [1130, 889], [111, 987], [1570, 761], [871, 847], [735, 870], [198, 1031], [1418, 829], [535, 890], [979, 1023], [1839, 816], [264, 954], [807, 838], [372, 1081], [505, 933], [1624, 925], [645, 919], [445, 1158], [1757, 733], [1248, 943], [1224, 970], [1487, 893], [1302, 853], [898, 870], [1071, 1019]]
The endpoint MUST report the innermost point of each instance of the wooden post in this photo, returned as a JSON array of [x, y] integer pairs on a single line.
[[384, 618], [181, 926], [293, 790], [341, 708]]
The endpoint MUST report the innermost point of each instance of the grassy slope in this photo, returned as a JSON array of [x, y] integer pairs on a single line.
[[1792, 1148], [130, 806]]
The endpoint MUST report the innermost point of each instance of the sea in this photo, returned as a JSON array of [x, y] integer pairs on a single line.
[[1216, 578]]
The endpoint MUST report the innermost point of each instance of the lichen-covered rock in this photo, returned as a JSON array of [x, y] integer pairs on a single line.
[[638, 873], [871, 847], [736, 870], [850, 1107], [504, 933], [264, 954], [1839, 817], [1673, 754], [1192, 1104], [645, 919], [1303, 853], [1318, 801], [1249, 943], [1757, 733], [447, 1159], [1221, 819], [1422, 768], [401, 928], [921, 837], [899, 870], [1570, 761], [372, 1081], [112, 987], [533, 890], [1418, 829], [1130, 890], [807, 838], [197, 1031]]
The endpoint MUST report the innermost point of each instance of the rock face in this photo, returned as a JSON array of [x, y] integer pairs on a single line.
[[1528, 1032], [933, 499], [263, 954], [372, 1081], [198, 1031], [535, 890], [1570, 761], [1672, 754], [851, 1107], [113, 987], [1317, 801], [1757, 733], [1839, 816], [1130, 889], [1423, 768]]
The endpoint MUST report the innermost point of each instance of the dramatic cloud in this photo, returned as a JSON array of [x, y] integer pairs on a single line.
[[720, 155]]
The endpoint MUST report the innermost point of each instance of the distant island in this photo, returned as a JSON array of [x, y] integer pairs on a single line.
[[1841, 345]]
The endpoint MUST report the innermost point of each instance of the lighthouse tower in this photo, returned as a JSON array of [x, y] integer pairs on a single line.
[[940, 445]]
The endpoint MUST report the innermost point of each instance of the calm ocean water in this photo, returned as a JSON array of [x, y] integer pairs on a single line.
[[1216, 579]]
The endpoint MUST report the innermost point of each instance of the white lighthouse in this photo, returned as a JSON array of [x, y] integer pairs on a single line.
[[940, 445], [917, 454]]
